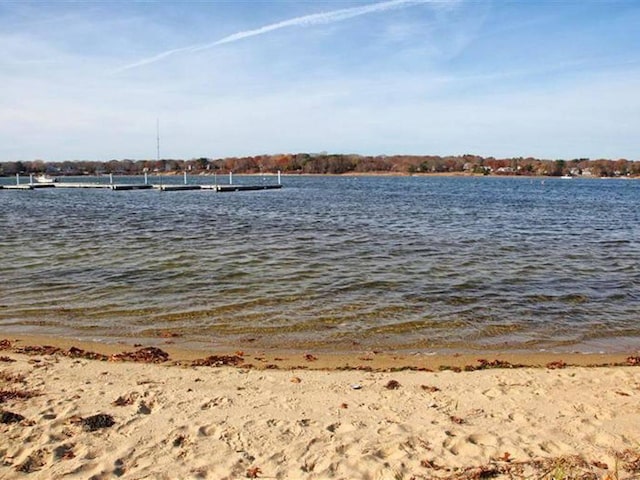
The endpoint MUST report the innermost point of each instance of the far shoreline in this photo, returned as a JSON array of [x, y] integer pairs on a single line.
[[224, 174]]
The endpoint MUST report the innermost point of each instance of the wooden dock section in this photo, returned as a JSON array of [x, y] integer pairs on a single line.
[[245, 188], [216, 188], [176, 188], [82, 185], [26, 186], [124, 186], [111, 186]]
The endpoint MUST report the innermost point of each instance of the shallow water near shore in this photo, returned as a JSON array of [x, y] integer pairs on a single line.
[[331, 263]]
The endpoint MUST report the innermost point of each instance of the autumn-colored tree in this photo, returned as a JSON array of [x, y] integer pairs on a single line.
[[324, 163]]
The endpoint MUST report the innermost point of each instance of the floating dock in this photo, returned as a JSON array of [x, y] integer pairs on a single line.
[[216, 188], [244, 188], [124, 186], [27, 186], [176, 188], [82, 185], [18, 187], [163, 187], [142, 186]]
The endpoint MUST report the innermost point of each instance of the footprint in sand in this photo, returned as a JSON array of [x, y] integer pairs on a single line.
[[605, 439], [466, 448], [492, 393], [86, 469], [517, 417], [220, 402], [144, 408], [551, 448], [34, 461], [483, 440], [346, 428], [208, 430], [64, 451], [333, 427]]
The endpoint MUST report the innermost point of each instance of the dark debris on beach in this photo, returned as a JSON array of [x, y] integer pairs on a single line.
[[10, 417], [96, 422], [34, 462], [253, 472], [75, 352], [633, 361], [38, 350], [568, 467], [218, 361], [392, 385], [144, 355], [125, 400], [486, 364], [16, 395], [556, 365], [156, 355]]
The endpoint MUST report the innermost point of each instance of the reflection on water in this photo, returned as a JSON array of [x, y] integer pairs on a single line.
[[420, 263]]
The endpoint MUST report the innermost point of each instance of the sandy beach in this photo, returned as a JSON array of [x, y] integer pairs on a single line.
[[69, 413]]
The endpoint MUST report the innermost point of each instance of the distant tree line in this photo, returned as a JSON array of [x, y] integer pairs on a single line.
[[326, 163]]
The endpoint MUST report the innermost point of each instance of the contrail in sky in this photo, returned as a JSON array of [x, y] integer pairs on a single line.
[[306, 20]]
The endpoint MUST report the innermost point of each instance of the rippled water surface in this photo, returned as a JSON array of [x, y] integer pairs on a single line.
[[336, 263]]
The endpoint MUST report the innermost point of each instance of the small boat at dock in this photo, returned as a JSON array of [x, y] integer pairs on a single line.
[[43, 178]]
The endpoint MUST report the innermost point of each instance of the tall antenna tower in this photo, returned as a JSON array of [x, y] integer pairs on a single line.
[[158, 139]]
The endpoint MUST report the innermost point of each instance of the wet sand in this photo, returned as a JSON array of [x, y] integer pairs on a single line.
[[358, 359]]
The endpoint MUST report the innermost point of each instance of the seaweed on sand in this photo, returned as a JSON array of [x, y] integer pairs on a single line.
[[633, 361], [33, 462], [10, 417], [96, 422], [144, 355], [38, 350], [75, 352], [392, 385], [568, 467], [218, 361], [16, 395]]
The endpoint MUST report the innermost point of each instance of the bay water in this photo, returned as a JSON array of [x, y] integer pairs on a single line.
[[336, 263]]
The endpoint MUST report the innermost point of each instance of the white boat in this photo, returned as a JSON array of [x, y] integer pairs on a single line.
[[567, 177], [46, 179]]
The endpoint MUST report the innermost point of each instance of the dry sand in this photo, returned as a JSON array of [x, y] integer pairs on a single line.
[[181, 421]]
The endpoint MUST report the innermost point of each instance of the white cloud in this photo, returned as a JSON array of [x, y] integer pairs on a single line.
[[302, 21]]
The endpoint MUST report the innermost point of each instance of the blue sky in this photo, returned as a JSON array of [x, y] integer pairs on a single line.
[[87, 80]]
